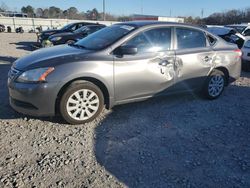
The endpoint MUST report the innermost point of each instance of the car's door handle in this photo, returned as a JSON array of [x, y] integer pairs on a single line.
[[207, 59]]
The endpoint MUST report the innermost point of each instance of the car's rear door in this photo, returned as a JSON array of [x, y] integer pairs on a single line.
[[194, 58], [151, 70]]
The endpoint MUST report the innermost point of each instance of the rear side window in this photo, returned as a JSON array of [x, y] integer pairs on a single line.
[[153, 40], [190, 38]]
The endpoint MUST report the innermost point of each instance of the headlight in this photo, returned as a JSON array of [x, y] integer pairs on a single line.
[[35, 75], [56, 38]]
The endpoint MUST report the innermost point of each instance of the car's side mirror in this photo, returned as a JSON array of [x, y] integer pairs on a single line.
[[126, 50]]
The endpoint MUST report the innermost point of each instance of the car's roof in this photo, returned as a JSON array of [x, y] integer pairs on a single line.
[[95, 25], [149, 23]]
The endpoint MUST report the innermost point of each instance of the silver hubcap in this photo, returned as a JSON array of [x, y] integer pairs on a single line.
[[216, 85], [82, 104]]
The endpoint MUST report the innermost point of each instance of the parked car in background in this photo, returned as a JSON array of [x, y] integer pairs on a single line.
[[2, 28], [228, 34], [246, 54], [246, 32], [44, 35], [126, 62], [72, 37], [238, 27]]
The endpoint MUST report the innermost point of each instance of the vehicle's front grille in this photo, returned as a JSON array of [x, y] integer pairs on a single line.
[[13, 73]]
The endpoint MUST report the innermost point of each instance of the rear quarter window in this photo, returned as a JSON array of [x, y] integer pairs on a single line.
[[212, 40]]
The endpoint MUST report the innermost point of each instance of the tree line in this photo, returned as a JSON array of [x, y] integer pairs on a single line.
[[70, 13], [222, 18]]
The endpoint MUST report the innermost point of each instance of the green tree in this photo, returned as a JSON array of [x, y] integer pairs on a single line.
[[4, 7], [39, 12], [54, 12], [29, 10], [72, 12]]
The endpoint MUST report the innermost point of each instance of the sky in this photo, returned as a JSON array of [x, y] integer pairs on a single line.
[[127, 7]]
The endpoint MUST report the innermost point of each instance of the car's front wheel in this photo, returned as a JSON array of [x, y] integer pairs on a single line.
[[81, 103], [215, 84]]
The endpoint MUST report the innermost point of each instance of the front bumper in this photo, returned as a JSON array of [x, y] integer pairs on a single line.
[[33, 99]]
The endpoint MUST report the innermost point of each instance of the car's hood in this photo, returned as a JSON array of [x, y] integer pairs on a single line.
[[52, 56], [61, 34]]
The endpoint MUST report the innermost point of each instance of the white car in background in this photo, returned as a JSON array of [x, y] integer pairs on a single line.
[[246, 54], [246, 32]]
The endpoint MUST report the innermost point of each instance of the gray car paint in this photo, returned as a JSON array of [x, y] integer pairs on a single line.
[[128, 78]]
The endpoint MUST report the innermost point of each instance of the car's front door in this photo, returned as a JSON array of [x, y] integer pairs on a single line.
[[194, 58], [149, 72]]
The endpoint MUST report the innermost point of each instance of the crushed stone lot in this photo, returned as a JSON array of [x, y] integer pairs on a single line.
[[176, 141]]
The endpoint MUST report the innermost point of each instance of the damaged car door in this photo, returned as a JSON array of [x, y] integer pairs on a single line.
[[194, 58], [144, 65]]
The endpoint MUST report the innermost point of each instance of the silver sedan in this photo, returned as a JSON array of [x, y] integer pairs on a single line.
[[123, 63]]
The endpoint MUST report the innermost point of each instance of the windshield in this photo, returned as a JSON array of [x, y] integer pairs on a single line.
[[67, 26], [81, 30], [105, 37]]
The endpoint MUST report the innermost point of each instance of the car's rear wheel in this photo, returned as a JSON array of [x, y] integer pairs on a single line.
[[215, 84], [81, 103]]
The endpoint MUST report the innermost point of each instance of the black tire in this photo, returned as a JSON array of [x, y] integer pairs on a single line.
[[74, 87], [206, 87]]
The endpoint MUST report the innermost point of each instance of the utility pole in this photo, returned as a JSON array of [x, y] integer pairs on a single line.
[[202, 13], [104, 11], [170, 13]]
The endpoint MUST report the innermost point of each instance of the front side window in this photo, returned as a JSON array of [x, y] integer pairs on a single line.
[[79, 25], [73, 28], [190, 38], [153, 40]]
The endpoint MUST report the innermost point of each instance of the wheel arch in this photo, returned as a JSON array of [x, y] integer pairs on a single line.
[[100, 84], [225, 71]]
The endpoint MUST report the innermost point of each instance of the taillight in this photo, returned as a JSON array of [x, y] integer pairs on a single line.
[[239, 53]]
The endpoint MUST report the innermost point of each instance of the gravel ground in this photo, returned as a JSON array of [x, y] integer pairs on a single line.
[[177, 141]]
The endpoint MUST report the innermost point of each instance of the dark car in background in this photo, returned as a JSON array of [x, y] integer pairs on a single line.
[[228, 34], [71, 37], [246, 32], [2, 28], [44, 35], [238, 27]]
